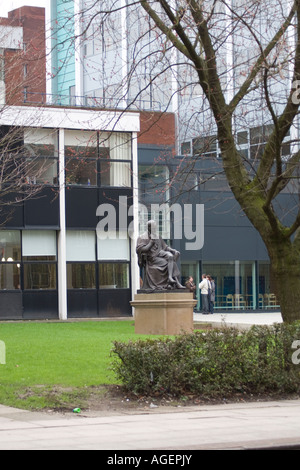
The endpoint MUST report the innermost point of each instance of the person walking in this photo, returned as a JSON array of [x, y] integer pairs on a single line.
[[204, 286], [212, 296]]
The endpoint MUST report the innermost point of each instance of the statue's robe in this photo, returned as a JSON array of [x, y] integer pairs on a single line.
[[155, 263]]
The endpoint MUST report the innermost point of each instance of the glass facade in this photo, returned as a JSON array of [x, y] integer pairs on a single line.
[[98, 159], [40, 275], [266, 296], [113, 257], [52, 262], [154, 191], [28, 260], [81, 276], [41, 156], [114, 275], [10, 246], [240, 285], [97, 263]]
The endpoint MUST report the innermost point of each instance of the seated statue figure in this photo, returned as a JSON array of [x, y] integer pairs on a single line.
[[158, 261]]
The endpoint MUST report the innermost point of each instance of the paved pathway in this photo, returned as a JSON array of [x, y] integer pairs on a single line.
[[240, 319], [227, 426]]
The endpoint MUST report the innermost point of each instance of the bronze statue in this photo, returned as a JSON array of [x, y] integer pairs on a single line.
[[158, 261]]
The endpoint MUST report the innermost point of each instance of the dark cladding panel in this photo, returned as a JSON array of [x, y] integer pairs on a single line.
[[232, 243], [11, 307], [120, 201], [81, 206], [40, 304], [82, 304], [42, 210], [11, 215], [114, 302]]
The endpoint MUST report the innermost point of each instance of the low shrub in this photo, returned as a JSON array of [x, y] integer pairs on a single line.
[[215, 363]]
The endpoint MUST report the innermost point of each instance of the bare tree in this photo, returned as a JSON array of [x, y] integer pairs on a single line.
[[239, 63], [198, 30], [201, 31]]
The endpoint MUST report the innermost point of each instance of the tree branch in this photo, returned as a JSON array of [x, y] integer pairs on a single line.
[[261, 59]]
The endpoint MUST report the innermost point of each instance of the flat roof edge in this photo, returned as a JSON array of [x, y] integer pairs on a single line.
[[83, 119]]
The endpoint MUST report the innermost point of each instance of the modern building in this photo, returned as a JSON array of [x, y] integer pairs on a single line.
[[176, 162], [92, 55], [60, 257], [76, 163]]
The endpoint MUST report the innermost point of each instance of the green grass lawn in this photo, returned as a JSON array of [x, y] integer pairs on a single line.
[[73, 356]]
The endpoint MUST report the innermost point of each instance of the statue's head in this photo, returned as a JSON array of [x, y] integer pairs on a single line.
[[151, 226]]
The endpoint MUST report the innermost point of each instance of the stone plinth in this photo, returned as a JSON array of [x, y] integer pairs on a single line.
[[163, 313]]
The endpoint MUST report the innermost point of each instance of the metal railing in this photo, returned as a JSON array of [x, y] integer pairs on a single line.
[[54, 99]]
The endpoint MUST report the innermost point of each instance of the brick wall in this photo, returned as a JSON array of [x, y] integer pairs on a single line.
[[25, 68], [157, 129]]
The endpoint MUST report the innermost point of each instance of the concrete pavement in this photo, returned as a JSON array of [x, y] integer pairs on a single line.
[[240, 319], [255, 425], [262, 425]]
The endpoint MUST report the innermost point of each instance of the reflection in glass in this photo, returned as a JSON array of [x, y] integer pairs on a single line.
[[235, 284], [41, 153], [39, 276], [81, 171], [115, 173], [113, 275], [9, 276], [41, 170], [81, 276], [10, 245], [81, 157], [266, 297]]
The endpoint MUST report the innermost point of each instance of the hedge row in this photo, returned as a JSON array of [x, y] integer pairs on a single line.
[[212, 363]]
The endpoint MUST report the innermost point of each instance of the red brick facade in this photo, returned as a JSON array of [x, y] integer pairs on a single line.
[[25, 67], [157, 128]]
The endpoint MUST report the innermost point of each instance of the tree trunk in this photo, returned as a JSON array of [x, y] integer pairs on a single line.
[[284, 254], [285, 268]]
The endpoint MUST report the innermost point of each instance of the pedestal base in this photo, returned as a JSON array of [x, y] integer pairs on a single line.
[[164, 313]]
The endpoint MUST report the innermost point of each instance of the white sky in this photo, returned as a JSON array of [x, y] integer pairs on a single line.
[[8, 5]]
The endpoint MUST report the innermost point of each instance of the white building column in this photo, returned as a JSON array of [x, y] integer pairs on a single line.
[[61, 251], [135, 272]]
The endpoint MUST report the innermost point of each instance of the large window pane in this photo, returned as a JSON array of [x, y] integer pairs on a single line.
[[187, 270], [205, 145], [235, 284], [81, 157], [81, 245], [115, 173], [41, 170], [119, 145], [81, 171], [153, 184], [9, 276], [40, 142], [41, 152], [81, 276], [113, 275], [10, 245], [39, 243], [40, 276], [266, 295], [113, 248], [113, 150]]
